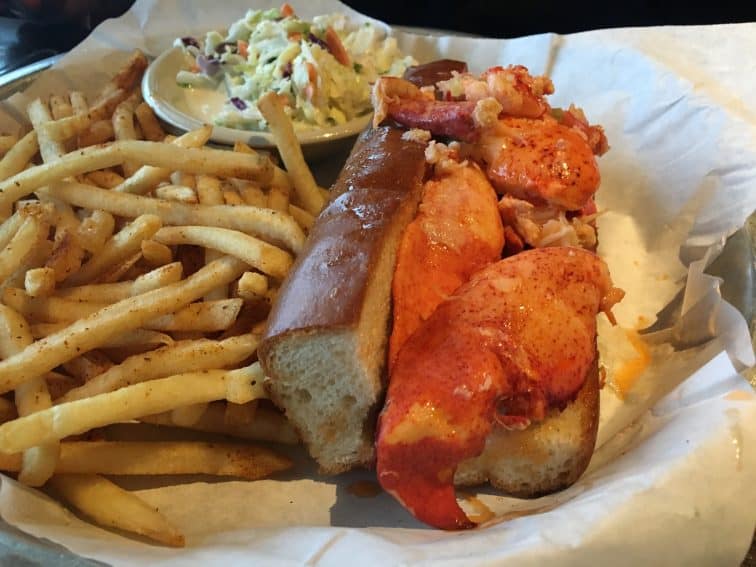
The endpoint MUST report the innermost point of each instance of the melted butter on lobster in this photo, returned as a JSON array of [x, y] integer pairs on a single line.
[[478, 343]]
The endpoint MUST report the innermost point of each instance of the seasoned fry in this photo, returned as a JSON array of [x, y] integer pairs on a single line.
[[130, 74], [131, 458], [149, 123], [9, 228], [31, 396], [209, 190], [305, 219], [147, 178], [105, 178], [192, 160], [99, 132], [280, 125], [120, 270], [121, 246], [255, 252], [79, 102], [231, 197], [269, 225], [133, 338], [109, 505], [67, 253], [110, 293], [18, 156], [60, 107], [95, 330], [206, 316], [7, 142], [62, 129], [105, 105], [252, 286], [132, 402], [180, 357], [49, 149], [156, 254], [178, 193], [88, 365], [123, 127], [95, 230], [32, 230], [278, 199], [39, 282]]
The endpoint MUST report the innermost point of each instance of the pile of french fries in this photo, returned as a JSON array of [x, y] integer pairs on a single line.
[[136, 272]]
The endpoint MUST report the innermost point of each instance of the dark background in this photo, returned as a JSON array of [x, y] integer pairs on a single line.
[[34, 29], [515, 18]]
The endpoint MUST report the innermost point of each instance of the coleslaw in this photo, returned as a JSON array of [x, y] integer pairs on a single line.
[[324, 69]]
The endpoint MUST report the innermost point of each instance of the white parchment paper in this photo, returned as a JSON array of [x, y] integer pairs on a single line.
[[673, 477]]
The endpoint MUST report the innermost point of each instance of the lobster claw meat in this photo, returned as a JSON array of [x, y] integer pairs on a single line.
[[520, 333]]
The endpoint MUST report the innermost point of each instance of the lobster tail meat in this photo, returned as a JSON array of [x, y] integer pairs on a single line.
[[513, 342]]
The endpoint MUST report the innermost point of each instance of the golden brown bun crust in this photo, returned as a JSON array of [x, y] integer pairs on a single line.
[[325, 346], [544, 458]]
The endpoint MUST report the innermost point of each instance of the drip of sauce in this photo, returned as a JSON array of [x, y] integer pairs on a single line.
[[364, 489], [627, 374]]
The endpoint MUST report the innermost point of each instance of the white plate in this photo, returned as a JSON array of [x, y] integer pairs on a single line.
[[187, 109]]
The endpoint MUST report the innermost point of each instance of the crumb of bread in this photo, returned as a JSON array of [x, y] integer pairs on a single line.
[[486, 112], [417, 135]]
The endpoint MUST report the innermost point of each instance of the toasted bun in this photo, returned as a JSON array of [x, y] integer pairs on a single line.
[[324, 350], [544, 458]]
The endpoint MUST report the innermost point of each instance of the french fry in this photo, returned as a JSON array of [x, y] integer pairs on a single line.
[[106, 103], [95, 230], [255, 252], [252, 286], [7, 142], [209, 190], [305, 219], [231, 197], [105, 178], [147, 178], [60, 107], [49, 149], [269, 225], [178, 193], [123, 127], [280, 125], [187, 415], [205, 316], [280, 177], [15, 160], [133, 338], [155, 253], [278, 199], [185, 179], [113, 292], [180, 357], [62, 129], [149, 123], [99, 132], [192, 160], [120, 246], [130, 74], [111, 506], [88, 365], [132, 402], [9, 228], [32, 396], [95, 330], [39, 282], [32, 230], [121, 270], [252, 194], [248, 421], [79, 102], [132, 458], [67, 254]]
